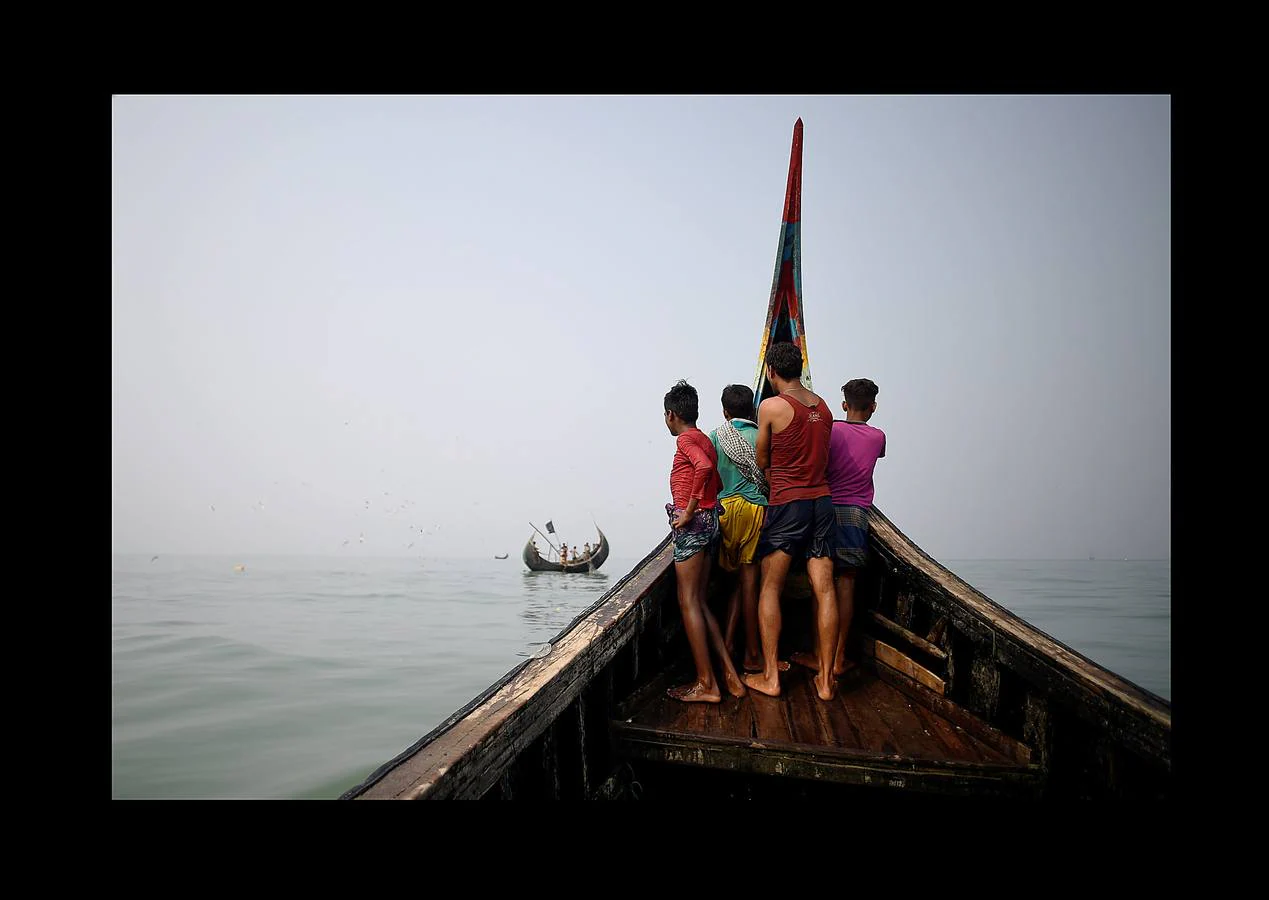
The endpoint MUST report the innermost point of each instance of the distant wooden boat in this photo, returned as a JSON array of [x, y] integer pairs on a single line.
[[503, 556], [952, 694], [536, 563]]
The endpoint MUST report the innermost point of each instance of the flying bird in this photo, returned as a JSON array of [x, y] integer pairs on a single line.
[[213, 509], [153, 558]]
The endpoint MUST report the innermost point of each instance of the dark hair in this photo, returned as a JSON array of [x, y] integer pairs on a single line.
[[682, 401], [786, 359], [859, 393], [738, 401]]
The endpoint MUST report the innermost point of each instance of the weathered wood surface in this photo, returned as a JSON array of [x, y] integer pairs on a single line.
[[469, 753], [944, 711], [868, 714], [914, 639], [828, 764], [888, 655], [1129, 714]]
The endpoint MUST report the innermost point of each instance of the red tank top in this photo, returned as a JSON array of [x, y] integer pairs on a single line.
[[799, 454]]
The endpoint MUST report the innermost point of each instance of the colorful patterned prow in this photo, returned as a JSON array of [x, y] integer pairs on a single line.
[[784, 309]]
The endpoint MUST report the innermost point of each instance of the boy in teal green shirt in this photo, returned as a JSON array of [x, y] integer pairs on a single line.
[[744, 502]]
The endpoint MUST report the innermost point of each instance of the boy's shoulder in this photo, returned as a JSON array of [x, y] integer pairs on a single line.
[[849, 428]]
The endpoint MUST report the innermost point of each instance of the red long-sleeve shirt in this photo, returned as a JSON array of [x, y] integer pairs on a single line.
[[695, 470]]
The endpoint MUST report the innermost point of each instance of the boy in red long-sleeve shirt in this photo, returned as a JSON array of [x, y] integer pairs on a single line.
[[694, 485]]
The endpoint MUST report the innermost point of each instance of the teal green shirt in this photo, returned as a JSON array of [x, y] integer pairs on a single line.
[[733, 482]]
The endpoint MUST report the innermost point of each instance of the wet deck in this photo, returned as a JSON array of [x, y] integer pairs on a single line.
[[872, 733]]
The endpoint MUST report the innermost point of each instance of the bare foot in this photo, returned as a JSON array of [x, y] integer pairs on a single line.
[[735, 686], [825, 688], [757, 682], [756, 665], [810, 660], [694, 693]]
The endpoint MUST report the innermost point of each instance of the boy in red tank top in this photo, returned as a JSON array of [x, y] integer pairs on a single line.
[[794, 428], [693, 512]]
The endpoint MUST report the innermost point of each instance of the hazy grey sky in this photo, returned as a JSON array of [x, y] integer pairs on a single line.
[[476, 304]]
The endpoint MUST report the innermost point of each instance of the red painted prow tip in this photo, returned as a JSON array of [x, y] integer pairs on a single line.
[[793, 190]]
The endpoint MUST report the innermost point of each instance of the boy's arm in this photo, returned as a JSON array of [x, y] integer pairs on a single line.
[[762, 449], [701, 467]]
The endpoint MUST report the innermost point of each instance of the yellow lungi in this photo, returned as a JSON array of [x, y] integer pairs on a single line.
[[741, 523]]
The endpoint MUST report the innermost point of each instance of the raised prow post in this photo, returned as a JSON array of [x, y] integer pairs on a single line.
[[785, 321]]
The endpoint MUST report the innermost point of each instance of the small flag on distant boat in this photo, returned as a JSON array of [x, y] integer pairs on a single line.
[[550, 527]]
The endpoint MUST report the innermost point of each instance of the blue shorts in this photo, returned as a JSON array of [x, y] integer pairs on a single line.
[[850, 536], [801, 528]]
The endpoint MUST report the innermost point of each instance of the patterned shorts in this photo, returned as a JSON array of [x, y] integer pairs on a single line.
[[850, 536], [697, 535]]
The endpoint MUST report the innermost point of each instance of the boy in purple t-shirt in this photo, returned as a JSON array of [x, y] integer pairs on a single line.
[[853, 451]]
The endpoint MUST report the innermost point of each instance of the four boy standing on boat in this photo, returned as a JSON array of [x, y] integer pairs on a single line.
[[818, 474]]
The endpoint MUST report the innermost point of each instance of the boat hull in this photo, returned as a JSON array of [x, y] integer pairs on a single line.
[[1046, 721], [534, 561]]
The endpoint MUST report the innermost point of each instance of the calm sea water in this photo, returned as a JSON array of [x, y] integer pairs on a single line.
[[297, 677]]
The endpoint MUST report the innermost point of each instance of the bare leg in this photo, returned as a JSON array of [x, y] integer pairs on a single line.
[[691, 603], [845, 587], [749, 594], [733, 617], [731, 677], [820, 571], [775, 567]]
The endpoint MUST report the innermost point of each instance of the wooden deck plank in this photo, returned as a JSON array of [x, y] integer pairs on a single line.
[[874, 734], [963, 744], [982, 749], [838, 722], [808, 724], [871, 718], [943, 732], [826, 764], [969, 727], [735, 716], [770, 717], [912, 735]]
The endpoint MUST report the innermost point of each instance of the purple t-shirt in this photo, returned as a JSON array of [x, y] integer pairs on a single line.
[[853, 451]]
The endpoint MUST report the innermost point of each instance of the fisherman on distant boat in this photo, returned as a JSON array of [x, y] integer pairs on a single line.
[[585, 551], [563, 554]]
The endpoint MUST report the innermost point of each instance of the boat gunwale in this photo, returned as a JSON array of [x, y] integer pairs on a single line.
[[515, 690], [1088, 675]]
